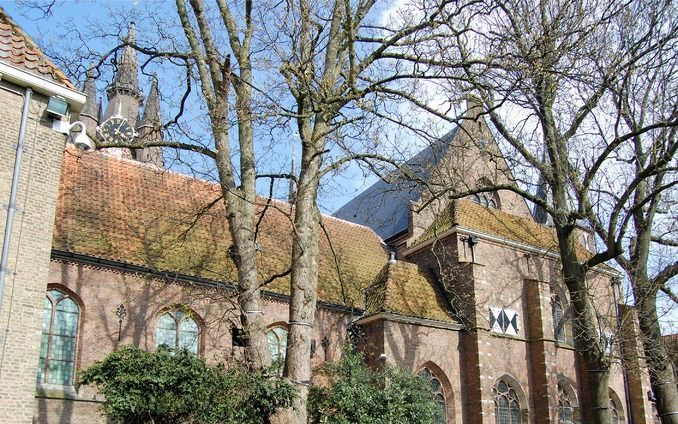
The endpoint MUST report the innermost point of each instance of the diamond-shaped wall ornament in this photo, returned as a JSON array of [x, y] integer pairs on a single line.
[[494, 320], [504, 321]]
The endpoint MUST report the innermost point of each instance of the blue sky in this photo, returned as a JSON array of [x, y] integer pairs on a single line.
[[49, 32]]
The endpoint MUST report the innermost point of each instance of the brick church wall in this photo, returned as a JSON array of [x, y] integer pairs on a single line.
[[21, 316], [100, 290]]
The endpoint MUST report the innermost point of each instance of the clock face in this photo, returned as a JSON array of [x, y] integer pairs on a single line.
[[116, 129]]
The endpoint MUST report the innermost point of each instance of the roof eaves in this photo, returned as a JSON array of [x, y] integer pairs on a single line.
[[396, 317]]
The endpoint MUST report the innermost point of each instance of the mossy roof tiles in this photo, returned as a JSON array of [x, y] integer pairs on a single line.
[[494, 222], [19, 50], [121, 210], [403, 288]]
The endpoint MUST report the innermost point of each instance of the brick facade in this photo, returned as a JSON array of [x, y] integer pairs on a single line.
[[31, 240]]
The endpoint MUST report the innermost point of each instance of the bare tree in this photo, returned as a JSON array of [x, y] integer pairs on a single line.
[[544, 72], [641, 98], [323, 66]]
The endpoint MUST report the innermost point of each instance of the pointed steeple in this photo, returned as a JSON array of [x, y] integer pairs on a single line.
[[149, 128], [151, 116], [90, 114], [124, 95], [126, 81]]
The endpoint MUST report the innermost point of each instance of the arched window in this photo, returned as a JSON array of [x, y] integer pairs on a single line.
[[565, 407], [277, 343], [558, 320], [489, 200], [438, 395], [177, 330], [59, 336], [506, 404], [616, 409]]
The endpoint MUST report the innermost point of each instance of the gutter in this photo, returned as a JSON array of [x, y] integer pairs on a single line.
[[17, 76], [507, 242], [389, 316]]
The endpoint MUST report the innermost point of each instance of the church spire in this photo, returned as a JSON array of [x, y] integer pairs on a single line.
[[151, 116], [126, 81], [150, 128], [124, 95]]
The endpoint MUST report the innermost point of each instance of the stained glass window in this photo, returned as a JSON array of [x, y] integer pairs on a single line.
[[59, 336], [177, 330], [506, 405], [615, 408], [277, 343], [565, 410], [438, 396]]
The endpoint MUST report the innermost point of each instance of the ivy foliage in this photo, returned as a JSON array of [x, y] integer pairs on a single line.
[[167, 386], [358, 394]]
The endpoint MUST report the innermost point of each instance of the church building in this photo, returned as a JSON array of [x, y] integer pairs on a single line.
[[111, 248]]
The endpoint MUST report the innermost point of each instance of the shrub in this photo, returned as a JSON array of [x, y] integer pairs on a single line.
[[169, 386], [358, 394]]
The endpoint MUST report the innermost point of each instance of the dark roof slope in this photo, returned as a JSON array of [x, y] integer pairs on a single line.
[[121, 210], [19, 50], [385, 205]]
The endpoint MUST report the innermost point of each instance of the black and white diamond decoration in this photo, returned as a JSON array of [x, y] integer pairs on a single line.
[[504, 321]]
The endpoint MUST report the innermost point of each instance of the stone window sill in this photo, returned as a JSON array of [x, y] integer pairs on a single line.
[[56, 391]]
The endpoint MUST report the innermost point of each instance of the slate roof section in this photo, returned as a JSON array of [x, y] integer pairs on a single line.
[[403, 288], [385, 206], [121, 210], [18, 49]]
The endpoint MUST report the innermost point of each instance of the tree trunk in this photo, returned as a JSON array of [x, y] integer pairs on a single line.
[[304, 285], [586, 332], [661, 369]]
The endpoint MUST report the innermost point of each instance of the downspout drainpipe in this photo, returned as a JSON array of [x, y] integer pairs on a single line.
[[11, 207]]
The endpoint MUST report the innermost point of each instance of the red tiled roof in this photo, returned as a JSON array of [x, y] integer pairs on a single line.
[[121, 210], [19, 50], [403, 288]]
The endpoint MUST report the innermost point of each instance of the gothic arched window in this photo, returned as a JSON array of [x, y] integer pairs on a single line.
[[558, 318], [177, 330], [277, 343], [565, 407], [438, 395], [506, 404], [489, 200], [616, 409], [59, 338]]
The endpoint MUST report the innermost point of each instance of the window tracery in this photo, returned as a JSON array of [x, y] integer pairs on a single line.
[[565, 407], [438, 395], [177, 330], [277, 343], [506, 404], [61, 315]]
